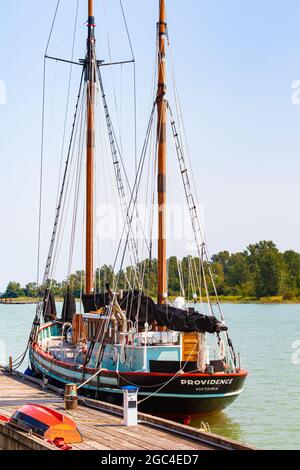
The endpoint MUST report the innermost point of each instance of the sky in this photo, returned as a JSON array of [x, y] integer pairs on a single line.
[[235, 65]]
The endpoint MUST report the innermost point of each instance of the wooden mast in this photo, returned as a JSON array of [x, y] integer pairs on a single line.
[[90, 152], [162, 154]]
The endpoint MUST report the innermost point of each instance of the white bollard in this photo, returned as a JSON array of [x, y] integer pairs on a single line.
[[130, 395]]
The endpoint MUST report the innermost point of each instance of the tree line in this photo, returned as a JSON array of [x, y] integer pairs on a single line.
[[261, 270]]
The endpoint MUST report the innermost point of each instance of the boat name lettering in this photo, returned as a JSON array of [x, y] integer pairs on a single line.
[[207, 382]]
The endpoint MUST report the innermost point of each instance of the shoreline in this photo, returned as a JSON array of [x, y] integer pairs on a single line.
[[278, 300]]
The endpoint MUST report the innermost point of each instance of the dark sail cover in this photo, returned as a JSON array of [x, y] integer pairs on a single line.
[[93, 302], [49, 308], [143, 309], [138, 307], [186, 321], [69, 307]]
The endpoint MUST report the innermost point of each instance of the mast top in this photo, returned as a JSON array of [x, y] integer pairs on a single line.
[[91, 8], [162, 11], [162, 31]]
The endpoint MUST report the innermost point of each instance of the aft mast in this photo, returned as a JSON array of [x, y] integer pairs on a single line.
[[90, 151], [162, 154]]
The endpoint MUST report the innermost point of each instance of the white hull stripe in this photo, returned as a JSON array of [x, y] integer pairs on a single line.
[[114, 390], [64, 374], [178, 395]]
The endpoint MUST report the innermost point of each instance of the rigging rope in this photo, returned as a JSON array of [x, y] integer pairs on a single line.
[[62, 192], [52, 27], [42, 145], [117, 169], [22, 356], [134, 92], [198, 234], [68, 99], [134, 192], [76, 196], [162, 385]]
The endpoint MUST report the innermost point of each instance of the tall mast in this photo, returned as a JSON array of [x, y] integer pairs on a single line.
[[162, 154], [90, 151]]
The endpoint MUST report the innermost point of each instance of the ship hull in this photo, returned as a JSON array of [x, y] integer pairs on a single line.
[[181, 396], [176, 407]]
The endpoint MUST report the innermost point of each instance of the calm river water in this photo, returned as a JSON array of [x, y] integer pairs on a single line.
[[267, 413]]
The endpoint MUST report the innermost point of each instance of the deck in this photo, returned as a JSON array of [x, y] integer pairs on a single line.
[[100, 424]]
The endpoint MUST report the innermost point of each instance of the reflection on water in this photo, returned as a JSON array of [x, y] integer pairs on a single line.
[[221, 424]]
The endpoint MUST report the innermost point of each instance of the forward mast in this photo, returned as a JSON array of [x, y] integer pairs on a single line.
[[91, 67], [162, 155]]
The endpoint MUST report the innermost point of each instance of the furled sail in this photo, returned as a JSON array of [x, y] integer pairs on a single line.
[[69, 307], [141, 309], [93, 302], [49, 307], [187, 321]]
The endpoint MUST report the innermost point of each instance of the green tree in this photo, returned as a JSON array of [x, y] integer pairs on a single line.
[[56, 288], [292, 261], [31, 289], [148, 269], [268, 268], [260, 270], [76, 283], [217, 270], [13, 291], [223, 258], [239, 276], [104, 275], [173, 276]]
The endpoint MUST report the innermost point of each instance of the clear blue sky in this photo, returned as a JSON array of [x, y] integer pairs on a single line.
[[235, 62]]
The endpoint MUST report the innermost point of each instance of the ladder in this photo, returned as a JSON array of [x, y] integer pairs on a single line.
[[188, 191], [190, 346]]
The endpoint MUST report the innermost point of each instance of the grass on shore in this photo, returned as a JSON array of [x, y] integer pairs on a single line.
[[25, 300], [278, 299], [234, 299]]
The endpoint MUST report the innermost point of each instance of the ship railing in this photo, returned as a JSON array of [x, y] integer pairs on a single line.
[[155, 338]]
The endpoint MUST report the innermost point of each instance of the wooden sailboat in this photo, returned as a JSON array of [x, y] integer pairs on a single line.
[[125, 338]]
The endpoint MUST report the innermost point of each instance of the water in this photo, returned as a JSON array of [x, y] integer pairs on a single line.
[[267, 413]]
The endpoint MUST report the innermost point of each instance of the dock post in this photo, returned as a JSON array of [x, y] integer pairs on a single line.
[[45, 382], [10, 364], [71, 397], [130, 395]]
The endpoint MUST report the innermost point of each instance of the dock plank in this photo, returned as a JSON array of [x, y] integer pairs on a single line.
[[101, 427], [145, 434], [137, 435]]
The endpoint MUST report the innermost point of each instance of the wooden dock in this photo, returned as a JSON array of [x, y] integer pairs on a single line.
[[100, 424]]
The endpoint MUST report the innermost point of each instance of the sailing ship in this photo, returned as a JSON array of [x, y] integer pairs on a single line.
[[125, 337]]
